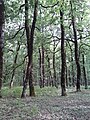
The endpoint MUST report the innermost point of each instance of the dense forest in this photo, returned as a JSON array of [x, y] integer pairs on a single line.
[[44, 43], [44, 60]]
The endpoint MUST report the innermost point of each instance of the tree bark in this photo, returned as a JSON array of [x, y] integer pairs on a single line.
[[84, 73], [72, 67], [76, 50], [49, 70], [66, 76], [30, 39], [40, 69], [69, 78], [25, 81], [30, 51], [14, 64], [1, 41], [73, 76], [54, 69], [43, 70], [63, 56]]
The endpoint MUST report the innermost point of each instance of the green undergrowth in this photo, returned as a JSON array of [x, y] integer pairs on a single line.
[[15, 92], [46, 91]]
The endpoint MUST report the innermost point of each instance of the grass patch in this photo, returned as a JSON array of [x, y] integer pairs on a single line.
[[46, 91], [15, 92]]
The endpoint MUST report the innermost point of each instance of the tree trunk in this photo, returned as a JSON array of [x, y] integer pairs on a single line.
[[30, 39], [30, 51], [43, 71], [14, 64], [1, 41], [72, 67], [84, 73], [54, 69], [66, 77], [76, 50], [73, 76], [69, 78], [49, 70], [25, 81], [40, 69], [63, 56]]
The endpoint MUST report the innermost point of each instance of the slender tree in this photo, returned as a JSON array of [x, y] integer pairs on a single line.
[[25, 81], [43, 69], [49, 81], [1, 41], [84, 72], [66, 76], [40, 69], [30, 50], [72, 65], [63, 56], [30, 39], [14, 64], [54, 69], [76, 48]]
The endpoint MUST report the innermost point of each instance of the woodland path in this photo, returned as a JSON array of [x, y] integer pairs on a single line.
[[75, 106]]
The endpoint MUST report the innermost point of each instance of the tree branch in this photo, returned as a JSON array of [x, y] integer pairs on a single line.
[[50, 6], [16, 33]]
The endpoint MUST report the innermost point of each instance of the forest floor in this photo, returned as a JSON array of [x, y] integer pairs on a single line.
[[74, 106]]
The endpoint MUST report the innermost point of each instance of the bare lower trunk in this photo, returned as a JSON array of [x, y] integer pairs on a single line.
[[54, 69], [84, 73], [78, 77], [49, 70], [72, 67], [31, 85], [14, 65], [66, 77], [25, 82], [43, 69], [1, 41], [69, 78], [40, 69], [73, 76]]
